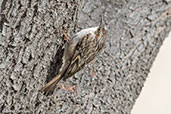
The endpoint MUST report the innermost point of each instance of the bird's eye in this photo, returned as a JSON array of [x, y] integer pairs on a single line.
[[99, 28]]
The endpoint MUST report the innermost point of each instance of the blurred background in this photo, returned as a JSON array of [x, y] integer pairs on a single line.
[[155, 97]]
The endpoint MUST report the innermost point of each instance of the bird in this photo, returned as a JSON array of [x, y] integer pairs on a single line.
[[81, 49]]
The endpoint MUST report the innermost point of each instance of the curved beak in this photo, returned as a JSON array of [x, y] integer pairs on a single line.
[[102, 23]]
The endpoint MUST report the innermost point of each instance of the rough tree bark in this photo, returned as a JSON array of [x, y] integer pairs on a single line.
[[31, 47]]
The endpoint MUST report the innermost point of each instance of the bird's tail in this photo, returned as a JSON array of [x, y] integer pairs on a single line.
[[50, 85]]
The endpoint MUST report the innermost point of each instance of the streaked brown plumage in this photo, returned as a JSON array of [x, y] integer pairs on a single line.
[[79, 51]]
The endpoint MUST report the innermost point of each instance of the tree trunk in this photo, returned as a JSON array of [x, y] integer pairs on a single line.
[[31, 48]]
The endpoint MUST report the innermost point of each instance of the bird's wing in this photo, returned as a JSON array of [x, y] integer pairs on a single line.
[[81, 55], [74, 65]]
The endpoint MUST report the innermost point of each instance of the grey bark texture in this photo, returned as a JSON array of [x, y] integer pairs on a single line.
[[31, 48]]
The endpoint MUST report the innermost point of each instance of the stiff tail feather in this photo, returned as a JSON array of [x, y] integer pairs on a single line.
[[50, 85]]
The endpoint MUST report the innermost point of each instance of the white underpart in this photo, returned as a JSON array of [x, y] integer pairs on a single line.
[[86, 31]]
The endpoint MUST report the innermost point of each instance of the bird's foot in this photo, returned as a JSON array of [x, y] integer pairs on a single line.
[[93, 73], [65, 35], [69, 88]]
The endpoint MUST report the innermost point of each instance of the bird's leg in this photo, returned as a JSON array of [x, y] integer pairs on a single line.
[[65, 35], [69, 88], [93, 70], [94, 73]]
